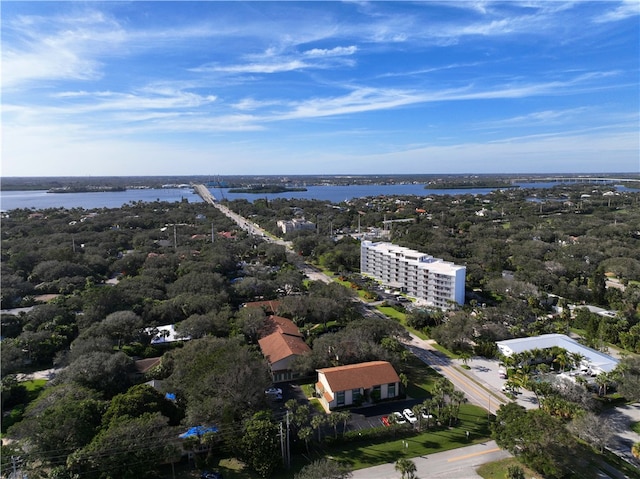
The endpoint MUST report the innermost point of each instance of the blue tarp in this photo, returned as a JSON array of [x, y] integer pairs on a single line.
[[198, 431], [170, 396]]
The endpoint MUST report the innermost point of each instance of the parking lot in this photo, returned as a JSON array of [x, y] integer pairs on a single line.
[[371, 416]]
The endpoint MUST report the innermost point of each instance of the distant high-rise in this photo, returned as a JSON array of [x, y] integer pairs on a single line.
[[433, 280]]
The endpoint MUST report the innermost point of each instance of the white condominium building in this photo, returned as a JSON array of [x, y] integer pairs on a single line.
[[433, 280]]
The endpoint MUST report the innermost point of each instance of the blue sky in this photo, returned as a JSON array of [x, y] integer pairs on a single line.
[[223, 88]]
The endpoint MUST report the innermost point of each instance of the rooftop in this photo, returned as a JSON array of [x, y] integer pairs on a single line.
[[600, 360], [361, 375]]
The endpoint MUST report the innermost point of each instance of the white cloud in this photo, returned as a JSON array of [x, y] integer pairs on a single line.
[[337, 51]]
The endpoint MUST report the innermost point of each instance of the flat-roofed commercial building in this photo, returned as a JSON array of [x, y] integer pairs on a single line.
[[432, 280]]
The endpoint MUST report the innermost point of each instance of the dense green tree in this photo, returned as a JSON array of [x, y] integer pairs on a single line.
[[323, 469], [105, 372], [539, 440], [628, 374], [200, 325], [260, 445], [219, 379], [131, 448], [137, 401], [63, 419]]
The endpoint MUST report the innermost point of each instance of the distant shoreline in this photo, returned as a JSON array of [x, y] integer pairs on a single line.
[[265, 189], [86, 189]]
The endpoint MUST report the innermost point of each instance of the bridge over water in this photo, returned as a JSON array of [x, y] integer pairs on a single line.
[[204, 193], [585, 179]]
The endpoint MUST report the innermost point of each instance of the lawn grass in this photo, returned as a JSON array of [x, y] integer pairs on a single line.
[[372, 452], [393, 314], [34, 387], [308, 389], [421, 378], [498, 469], [635, 427]]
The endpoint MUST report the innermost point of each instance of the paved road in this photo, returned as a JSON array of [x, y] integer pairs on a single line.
[[458, 463], [476, 392]]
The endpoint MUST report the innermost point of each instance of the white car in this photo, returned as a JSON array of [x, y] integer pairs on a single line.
[[273, 391], [408, 413], [399, 418], [424, 415]]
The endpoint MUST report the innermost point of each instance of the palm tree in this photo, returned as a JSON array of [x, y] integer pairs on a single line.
[[305, 434], [441, 389], [317, 422], [576, 359], [427, 406], [465, 356], [407, 468], [417, 410], [562, 358], [334, 419], [457, 399], [602, 380], [344, 417]]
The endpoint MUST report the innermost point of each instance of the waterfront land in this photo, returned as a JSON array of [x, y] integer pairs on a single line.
[[111, 274]]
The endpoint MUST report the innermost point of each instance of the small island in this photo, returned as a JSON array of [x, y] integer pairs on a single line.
[[258, 189], [468, 184]]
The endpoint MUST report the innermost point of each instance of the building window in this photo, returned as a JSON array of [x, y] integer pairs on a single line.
[[355, 396], [391, 390], [340, 398]]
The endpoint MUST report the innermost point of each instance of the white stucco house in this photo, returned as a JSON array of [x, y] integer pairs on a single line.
[[353, 384]]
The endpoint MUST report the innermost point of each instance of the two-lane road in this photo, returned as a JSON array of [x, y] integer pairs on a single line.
[[477, 393], [457, 463]]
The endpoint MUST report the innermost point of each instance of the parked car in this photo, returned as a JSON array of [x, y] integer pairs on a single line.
[[399, 418], [210, 475], [385, 421], [274, 393], [408, 413], [424, 415]]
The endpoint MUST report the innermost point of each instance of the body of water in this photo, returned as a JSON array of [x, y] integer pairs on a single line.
[[40, 199]]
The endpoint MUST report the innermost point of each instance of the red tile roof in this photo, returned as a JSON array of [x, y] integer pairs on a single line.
[[281, 338], [361, 375], [268, 306], [277, 346]]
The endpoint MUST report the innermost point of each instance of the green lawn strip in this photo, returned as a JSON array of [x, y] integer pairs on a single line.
[[635, 427], [421, 378], [393, 314], [375, 451], [315, 404], [498, 469]]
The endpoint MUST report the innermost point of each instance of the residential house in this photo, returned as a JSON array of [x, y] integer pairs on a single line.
[[281, 342], [357, 383]]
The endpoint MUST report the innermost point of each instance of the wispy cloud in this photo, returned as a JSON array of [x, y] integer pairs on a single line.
[[627, 8], [337, 51]]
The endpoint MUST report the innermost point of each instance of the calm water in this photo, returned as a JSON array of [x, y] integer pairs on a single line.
[[41, 199]]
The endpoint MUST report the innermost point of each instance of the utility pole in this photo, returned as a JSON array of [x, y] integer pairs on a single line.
[[288, 464], [212, 236], [282, 449], [175, 238]]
